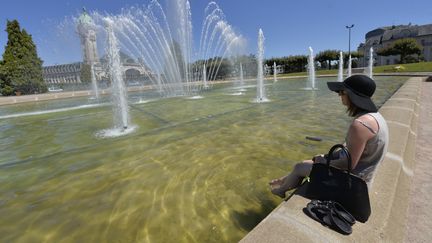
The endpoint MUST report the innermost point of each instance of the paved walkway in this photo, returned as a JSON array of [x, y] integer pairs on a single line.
[[419, 222]]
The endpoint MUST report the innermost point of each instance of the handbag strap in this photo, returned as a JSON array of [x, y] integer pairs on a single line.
[[345, 150]]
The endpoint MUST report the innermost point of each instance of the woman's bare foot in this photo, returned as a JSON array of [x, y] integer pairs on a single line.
[[278, 192], [275, 186], [276, 182]]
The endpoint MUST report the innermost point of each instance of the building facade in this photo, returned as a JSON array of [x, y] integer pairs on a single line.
[[71, 73], [62, 74], [385, 36]]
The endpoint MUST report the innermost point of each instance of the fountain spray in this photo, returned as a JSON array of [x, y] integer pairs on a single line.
[[159, 82], [119, 92], [205, 77], [260, 77], [241, 75], [340, 73], [311, 69], [349, 66], [94, 83], [371, 60]]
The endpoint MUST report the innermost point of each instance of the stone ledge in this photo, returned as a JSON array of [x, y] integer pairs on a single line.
[[389, 191]]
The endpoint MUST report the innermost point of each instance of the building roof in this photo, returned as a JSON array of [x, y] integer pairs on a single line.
[[85, 22], [425, 30], [387, 33]]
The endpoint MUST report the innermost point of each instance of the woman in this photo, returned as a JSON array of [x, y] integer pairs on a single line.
[[366, 139]]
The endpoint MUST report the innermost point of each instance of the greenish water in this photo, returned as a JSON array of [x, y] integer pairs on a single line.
[[193, 170]]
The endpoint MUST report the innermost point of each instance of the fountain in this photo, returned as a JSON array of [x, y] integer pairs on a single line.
[[164, 43], [86, 30], [240, 83], [205, 77], [241, 75], [260, 76], [371, 61], [274, 72], [94, 83], [119, 92], [163, 49], [311, 70], [340, 72], [349, 66], [159, 83]]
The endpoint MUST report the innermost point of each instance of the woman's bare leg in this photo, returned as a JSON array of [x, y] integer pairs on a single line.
[[292, 180]]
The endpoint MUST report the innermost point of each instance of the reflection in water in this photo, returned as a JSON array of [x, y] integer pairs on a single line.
[[194, 170]]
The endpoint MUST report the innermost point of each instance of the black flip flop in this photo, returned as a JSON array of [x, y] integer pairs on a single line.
[[319, 212], [338, 223], [330, 214], [342, 212]]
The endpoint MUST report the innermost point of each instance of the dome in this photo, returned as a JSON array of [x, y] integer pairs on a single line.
[[85, 19]]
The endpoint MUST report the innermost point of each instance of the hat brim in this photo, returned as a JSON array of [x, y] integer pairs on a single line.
[[336, 86], [362, 102]]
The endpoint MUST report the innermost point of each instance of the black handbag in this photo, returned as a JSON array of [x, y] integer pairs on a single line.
[[330, 183]]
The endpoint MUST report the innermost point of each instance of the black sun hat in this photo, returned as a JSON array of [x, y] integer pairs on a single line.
[[359, 89]]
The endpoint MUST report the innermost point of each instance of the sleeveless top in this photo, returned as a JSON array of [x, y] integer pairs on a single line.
[[375, 149]]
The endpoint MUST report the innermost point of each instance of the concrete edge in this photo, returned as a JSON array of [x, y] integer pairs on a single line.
[[389, 192]]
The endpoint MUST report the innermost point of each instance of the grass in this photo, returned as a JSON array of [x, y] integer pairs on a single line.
[[411, 67], [400, 68]]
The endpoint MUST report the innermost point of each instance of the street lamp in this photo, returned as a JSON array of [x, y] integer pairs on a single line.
[[349, 38]]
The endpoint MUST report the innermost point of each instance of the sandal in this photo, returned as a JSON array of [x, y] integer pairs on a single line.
[[331, 214], [339, 224], [342, 212], [319, 212]]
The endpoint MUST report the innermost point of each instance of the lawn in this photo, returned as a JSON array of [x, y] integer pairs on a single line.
[[400, 68]]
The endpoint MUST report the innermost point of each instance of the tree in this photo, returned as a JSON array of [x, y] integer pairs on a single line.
[[386, 51], [249, 65], [21, 70], [327, 56], [5, 83], [403, 47], [354, 58], [290, 64]]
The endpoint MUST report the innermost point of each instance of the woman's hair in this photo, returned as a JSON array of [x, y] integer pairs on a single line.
[[353, 110]]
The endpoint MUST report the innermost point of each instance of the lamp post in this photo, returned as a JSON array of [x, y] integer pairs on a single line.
[[349, 38]]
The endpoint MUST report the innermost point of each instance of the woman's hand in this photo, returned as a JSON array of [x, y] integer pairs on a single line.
[[319, 159]]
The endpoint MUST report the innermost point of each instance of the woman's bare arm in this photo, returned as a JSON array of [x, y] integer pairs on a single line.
[[358, 135]]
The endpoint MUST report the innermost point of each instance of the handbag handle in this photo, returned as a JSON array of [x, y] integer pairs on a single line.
[[345, 150]]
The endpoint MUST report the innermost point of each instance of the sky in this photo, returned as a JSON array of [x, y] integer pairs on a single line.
[[289, 27]]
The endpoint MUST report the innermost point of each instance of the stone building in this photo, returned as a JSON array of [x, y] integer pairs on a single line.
[[87, 32], [385, 36], [134, 71], [62, 74]]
